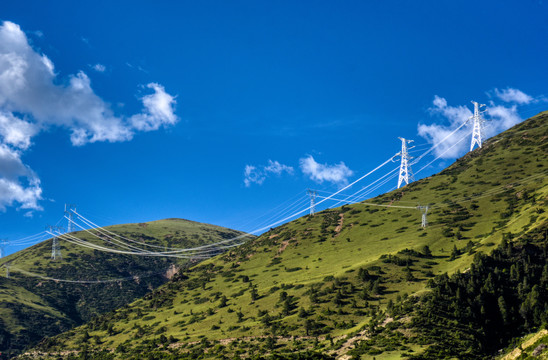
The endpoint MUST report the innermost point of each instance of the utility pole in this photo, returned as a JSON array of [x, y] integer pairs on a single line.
[[424, 211], [478, 125], [55, 248], [69, 213], [405, 168], [312, 194]]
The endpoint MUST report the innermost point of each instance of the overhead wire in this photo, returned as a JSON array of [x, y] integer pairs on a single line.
[[371, 187], [438, 144], [207, 253], [297, 196], [27, 238], [321, 201], [296, 205], [74, 240], [175, 249], [179, 251], [444, 152]]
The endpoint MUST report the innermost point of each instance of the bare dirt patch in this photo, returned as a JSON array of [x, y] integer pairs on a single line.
[[341, 222]]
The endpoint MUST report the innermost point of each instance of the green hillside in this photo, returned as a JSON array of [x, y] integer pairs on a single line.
[[349, 282], [530, 347], [31, 306]]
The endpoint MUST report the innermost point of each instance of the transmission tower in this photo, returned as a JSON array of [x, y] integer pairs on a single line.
[[69, 213], [405, 169], [424, 211], [7, 266], [3, 244], [55, 248], [478, 125], [312, 194]]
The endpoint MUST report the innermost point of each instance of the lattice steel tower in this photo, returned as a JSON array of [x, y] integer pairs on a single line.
[[424, 211], [3, 243], [312, 194], [478, 125], [405, 168], [55, 247], [69, 208]]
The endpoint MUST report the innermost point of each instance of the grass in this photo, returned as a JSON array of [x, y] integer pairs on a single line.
[[494, 192], [32, 307]]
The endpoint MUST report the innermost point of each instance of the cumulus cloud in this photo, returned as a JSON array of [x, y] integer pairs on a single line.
[[513, 95], [16, 132], [159, 110], [501, 118], [337, 173], [448, 145], [258, 174], [33, 98], [498, 118], [18, 183], [29, 85]]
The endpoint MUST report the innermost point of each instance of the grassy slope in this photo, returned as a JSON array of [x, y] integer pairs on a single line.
[[314, 263], [532, 346], [31, 307]]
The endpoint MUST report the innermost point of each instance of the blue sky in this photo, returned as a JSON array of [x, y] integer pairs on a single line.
[[220, 111]]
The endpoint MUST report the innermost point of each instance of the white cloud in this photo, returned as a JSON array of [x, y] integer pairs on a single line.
[[159, 110], [513, 95], [453, 117], [253, 175], [99, 68], [502, 118], [28, 84], [257, 175], [337, 173], [18, 183], [498, 118], [33, 98], [276, 168], [16, 132]]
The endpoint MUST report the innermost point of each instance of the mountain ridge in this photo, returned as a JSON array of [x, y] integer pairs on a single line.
[[326, 285], [59, 294]]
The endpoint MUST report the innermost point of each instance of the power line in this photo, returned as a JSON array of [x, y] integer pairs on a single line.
[[176, 250]]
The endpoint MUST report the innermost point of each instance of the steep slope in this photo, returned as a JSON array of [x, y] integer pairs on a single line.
[[326, 283], [532, 346], [90, 282]]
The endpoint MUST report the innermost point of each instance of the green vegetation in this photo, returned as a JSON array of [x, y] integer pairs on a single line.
[[362, 280], [474, 313], [31, 307]]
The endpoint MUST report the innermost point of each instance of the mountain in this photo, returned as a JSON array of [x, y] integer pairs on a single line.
[[43, 297], [362, 281]]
